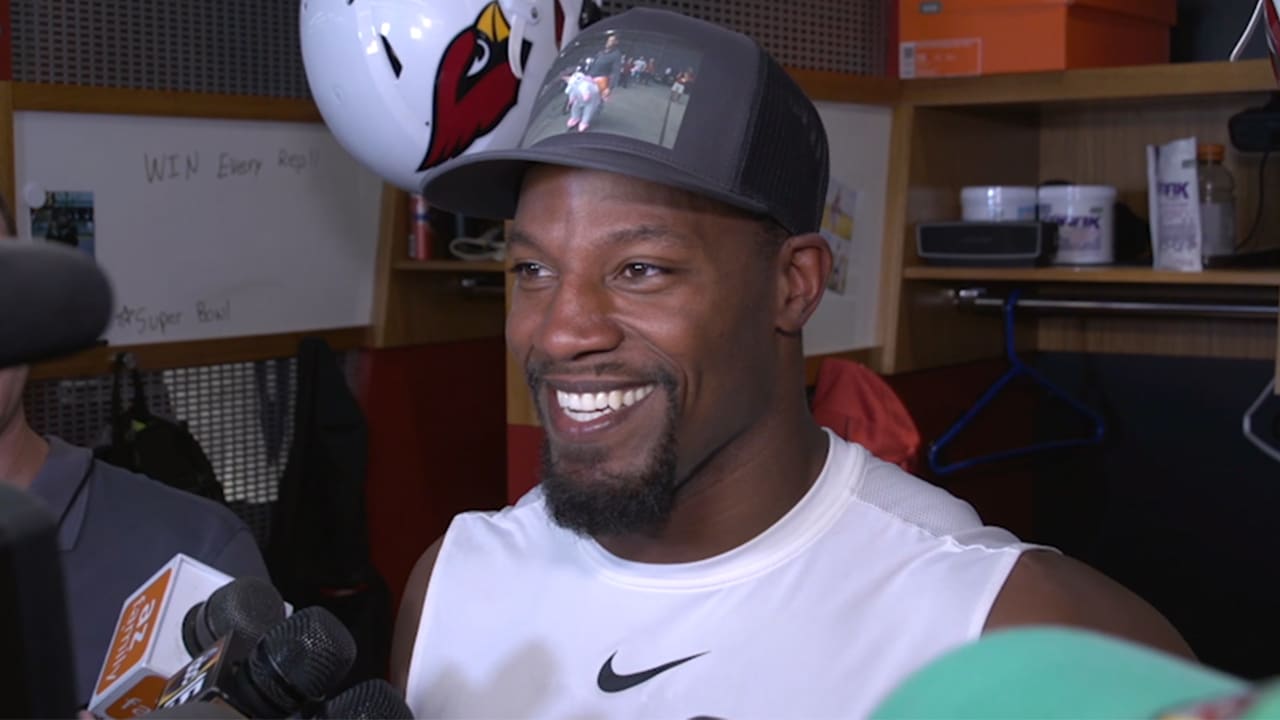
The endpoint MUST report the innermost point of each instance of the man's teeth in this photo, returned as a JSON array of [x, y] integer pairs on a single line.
[[589, 406]]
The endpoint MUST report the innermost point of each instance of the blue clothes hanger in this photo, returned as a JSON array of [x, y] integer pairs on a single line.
[[1016, 368]]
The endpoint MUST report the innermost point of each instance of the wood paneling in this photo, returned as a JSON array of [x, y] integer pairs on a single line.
[[1086, 85], [123, 101], [1105, 144], [160, 356], [425, 304], [436, 307], [7, 168], [843, 87], [1083, 126], [893, 255], [949, 149], [393, 223], [1099, 275], [1172, 336]]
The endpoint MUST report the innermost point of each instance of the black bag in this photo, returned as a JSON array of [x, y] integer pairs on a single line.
[[161, 449]]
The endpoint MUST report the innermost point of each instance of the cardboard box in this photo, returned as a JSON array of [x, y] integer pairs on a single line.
[[146, 648], [939, 38]]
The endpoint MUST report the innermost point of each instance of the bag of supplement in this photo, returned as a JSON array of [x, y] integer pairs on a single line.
[[1174, 206]]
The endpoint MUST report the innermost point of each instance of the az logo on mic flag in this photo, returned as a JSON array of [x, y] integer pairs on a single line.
[[406, 85], [147, 648]]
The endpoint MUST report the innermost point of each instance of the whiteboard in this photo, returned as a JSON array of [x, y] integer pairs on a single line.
[[207, 228], [847, 318]]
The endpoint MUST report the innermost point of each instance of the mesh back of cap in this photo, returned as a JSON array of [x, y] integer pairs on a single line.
[[786, 157]]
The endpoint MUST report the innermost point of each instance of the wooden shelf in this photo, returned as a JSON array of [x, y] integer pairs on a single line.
[[161, 356], [1107, 275], [1122, 83], [495, 266], [829, 86], [77, 98]]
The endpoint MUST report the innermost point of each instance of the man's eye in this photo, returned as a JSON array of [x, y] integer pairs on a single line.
[[529, 270], [641, 270]]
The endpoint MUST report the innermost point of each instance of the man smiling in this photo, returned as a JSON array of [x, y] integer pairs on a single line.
[[698, 545]]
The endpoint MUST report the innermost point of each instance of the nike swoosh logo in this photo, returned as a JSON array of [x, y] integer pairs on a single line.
[[611, 682]]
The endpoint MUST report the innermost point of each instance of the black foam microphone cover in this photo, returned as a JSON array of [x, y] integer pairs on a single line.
[[374, 699], [297, 664], [53, 301], [248, 605]]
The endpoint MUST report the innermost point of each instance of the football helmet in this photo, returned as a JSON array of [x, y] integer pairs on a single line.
[[405, 85], [1266, 15]]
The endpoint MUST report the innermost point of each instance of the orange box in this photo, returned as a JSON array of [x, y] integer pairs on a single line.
[[984, 37]]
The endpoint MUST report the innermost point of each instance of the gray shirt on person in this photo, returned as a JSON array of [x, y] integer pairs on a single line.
[[116, 529]]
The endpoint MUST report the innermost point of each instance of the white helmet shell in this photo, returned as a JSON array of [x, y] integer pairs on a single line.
[[405, 85]]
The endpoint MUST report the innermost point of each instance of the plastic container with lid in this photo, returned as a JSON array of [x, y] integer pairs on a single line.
[[1085, 216], [998, 203]]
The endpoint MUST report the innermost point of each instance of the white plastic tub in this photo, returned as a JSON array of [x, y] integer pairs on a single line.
[[1085, 216], [998, 203]]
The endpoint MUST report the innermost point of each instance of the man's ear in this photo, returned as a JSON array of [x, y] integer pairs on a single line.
[[804, 263]]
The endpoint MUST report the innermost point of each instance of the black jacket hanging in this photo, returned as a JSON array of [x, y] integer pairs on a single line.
[[319, 548]]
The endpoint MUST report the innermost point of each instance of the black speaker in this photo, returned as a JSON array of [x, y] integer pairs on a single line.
[[999, 244]]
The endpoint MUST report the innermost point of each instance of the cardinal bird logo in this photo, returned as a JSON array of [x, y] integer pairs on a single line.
[[475, 88]]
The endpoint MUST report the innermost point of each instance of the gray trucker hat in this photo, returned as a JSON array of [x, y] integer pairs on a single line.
[[712, 113]]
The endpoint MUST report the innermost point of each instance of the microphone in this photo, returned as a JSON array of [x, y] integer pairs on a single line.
[[197, 711], [53, 301], [292, 668], [148, 645], [1058, 672], [374, 699], [247, 605]]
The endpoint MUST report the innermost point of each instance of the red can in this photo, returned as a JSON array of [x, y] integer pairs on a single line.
[[421, 227]]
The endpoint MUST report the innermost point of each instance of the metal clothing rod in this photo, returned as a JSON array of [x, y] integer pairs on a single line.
[[978, 297]]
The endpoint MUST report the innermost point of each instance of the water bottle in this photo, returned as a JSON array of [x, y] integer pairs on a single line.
[[1217, 201]]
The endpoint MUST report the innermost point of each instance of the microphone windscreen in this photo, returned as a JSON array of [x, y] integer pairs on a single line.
[[374, 699], [1056, 673], [249, 606], [302, 659], [206, 710], [53, 301]]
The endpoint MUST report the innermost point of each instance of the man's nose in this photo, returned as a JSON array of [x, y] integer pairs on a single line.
[[579, 322]]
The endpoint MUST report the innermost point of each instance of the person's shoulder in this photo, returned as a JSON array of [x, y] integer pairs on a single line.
[[1047, 588], [519, 517], [904, 498], [179, 521], [496, 536], [125, 487], [409, 614]]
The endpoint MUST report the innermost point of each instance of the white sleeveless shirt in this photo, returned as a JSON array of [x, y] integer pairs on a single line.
[[871, 575]]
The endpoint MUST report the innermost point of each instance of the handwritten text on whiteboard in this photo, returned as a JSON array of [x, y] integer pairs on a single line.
[[143, 321], [172, 167]]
